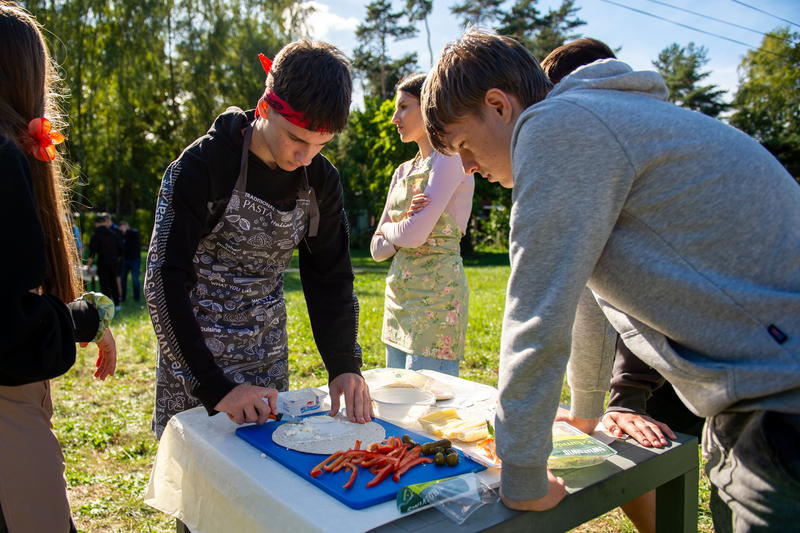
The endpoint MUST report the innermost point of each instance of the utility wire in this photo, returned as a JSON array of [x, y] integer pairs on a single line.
[[762, 11], [694, 29], [719, 20]]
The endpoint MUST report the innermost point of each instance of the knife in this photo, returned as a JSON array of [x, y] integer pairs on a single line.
[[280, 417]]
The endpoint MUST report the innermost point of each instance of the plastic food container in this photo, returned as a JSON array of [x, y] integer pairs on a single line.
[[301, 401], [396, 404]]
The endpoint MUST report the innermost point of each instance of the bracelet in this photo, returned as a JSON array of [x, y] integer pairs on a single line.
[[105, 309]]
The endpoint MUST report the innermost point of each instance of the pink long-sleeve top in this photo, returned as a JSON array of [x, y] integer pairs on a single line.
[[448, 188]]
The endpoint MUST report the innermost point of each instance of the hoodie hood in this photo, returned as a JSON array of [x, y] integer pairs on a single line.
[[227, 127], [612, 74]]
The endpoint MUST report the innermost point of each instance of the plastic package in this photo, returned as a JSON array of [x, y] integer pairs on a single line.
[[381, 378], [458, 424], [300, 401], [457, 497], [575, 449]]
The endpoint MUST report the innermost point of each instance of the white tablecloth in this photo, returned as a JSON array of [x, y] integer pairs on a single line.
[[215, 482]]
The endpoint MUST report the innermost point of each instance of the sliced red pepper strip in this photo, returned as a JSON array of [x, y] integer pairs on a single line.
[[341, 465], [407, 466], [409, 456], [352, 476], [382, 474], [329, 467], [370, 455], [372, 446], [317, 470], [373, 469], [358, 445]]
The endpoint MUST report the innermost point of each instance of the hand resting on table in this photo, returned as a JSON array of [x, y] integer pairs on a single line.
[[647, 431]]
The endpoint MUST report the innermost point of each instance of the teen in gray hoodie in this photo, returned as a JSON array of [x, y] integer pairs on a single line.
[[678, 230]]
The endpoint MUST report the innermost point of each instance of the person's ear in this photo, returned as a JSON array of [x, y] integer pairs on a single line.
[[263, 108], [499, 104]]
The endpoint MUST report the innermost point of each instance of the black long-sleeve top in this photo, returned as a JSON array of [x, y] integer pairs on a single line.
[[106, 245], [194, 193], [39, 331], [131, 245]]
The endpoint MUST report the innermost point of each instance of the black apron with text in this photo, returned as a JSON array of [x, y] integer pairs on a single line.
[[238, 299]]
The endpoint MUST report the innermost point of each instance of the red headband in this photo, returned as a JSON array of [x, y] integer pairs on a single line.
[[278, 104]]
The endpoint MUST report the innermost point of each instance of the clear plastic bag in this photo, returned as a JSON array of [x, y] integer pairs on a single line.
[[457, 497], [574, 449]]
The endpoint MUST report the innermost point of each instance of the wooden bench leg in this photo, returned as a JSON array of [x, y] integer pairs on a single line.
[[676, 504], [180, 527]]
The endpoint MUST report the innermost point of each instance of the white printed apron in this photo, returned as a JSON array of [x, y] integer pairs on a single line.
[[426, 301], [238, 299]]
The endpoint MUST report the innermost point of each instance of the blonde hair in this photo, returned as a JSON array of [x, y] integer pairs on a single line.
[[28, 82]]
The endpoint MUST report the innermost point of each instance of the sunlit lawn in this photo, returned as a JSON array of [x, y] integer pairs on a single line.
[[104, 428]]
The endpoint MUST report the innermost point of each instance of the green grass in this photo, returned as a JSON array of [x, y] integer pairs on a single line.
[[104, 427]]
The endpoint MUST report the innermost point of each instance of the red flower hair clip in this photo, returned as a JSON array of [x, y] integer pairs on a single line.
[[44, 139]]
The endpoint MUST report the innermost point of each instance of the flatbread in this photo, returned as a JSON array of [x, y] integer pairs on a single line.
[[324, 435]]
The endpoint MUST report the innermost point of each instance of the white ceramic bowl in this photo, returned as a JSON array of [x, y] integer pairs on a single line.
[[396, 404]]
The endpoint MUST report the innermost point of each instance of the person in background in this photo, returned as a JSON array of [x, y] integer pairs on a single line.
[[232, 209], [131, 260], [641, 404], [656, 219], [109, 222], [107, 248], [426, 214], [43, 318], [76, 233]]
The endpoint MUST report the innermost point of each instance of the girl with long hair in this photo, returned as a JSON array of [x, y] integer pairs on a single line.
[[426, 214], [42, 314]]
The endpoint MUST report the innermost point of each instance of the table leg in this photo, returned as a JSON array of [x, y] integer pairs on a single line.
[[676, 504], [180, 527]]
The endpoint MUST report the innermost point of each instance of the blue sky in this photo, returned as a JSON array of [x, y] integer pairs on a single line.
[[640, 37]]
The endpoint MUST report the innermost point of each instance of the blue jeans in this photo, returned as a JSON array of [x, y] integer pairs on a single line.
[[396, 358], [755, 471], [132, 266]]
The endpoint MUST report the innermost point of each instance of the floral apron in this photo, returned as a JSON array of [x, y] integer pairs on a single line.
[[238, 299], [426, 290]]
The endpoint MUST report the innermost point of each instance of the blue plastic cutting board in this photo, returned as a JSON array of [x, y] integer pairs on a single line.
[[358, 496]]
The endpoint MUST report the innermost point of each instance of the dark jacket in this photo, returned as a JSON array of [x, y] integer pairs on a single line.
[[106, 245], [39, 331], [131, 245]]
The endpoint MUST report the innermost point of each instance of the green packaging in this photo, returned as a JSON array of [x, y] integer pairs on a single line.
[[574, 449]]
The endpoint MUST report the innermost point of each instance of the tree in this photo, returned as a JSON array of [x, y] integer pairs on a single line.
[[144, 78], [767, 102], [420, 10], [680, 68], [371, 59], [366, 153], [541, 34], [555, 31], [478, 12]]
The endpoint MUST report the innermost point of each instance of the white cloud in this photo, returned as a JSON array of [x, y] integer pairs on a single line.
[[322, 23]]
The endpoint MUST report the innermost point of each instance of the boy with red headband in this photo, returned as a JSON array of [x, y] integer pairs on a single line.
[[231, 210]]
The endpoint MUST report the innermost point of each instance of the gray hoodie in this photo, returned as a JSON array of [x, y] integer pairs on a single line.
[[686, 233]]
